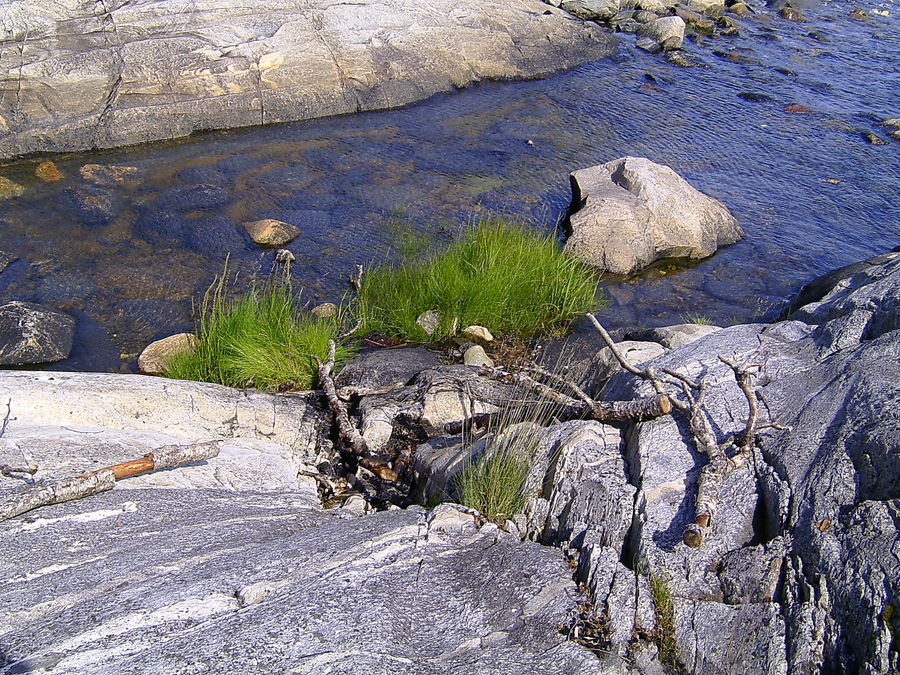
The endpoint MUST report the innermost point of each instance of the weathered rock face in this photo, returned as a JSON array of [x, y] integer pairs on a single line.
[[31, 334], [629, 212], [82, 75], [164, 580], [818, 507], [191, 411]]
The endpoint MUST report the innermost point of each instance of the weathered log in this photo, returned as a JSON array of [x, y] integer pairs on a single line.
[[67, 489], [637, 410]]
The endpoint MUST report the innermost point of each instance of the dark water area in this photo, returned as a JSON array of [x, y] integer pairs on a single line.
[[130, 259]]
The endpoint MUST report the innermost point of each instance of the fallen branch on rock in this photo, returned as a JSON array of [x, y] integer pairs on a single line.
[[724, 458], [347, 431], [721, 462], [67, 489]]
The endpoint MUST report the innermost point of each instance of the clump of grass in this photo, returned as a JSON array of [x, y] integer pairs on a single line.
[[664, 610], [256, 340], [698, 319], [500, 275], [494, 483]]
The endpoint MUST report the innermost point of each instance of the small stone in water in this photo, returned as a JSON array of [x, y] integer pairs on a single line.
[[859, 14], [9, 189], [792, 14], [283, 256], [324, 311], [271, 232], [875, 140], [48, 172], [796, 108]]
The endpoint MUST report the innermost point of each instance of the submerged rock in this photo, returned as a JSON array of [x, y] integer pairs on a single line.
[[630, 212], [32, 334], [10, 189], [271, 233], [153, 360], [48, 172], [108, 174]]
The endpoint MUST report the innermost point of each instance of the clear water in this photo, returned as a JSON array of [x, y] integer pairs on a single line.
[[810, 191]]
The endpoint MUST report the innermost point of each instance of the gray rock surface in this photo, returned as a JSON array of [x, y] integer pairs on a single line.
[[629, 212], [191, 411], [143, 581], [83, 74], [820, 500], [385, 368], [637, 353], [31, 334]]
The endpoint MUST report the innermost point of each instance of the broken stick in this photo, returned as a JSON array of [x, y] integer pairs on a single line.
[[101, 480]]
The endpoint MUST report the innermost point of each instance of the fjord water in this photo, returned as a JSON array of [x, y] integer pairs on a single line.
[[811, 192]]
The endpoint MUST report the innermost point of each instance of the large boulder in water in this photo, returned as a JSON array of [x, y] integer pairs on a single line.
[[31, 334], [88, 75], [629, 212]]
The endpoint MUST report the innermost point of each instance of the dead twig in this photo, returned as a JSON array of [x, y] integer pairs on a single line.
[[347, 432], [103, 479]]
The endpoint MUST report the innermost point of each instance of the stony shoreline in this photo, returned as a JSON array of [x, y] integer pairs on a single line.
[[235, 564]]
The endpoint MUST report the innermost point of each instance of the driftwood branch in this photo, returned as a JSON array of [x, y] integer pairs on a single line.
[[67, 489], [347, 432], [602, 411], [724, 458]]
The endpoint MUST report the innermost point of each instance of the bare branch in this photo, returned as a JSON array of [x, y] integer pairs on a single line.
[[348, 433], [103, 479]]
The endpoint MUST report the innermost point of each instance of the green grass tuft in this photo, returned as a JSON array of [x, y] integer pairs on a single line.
[[698, 319], [500, 275], [494, 483], [257, 340], [664, 609]]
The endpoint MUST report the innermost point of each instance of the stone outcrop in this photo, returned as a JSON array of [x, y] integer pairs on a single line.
[[233, 564], [32, 334], [630, 212], [83, 74]]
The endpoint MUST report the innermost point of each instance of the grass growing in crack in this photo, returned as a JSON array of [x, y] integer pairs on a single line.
[[494, 484], [500, 275], [664, 610], [496, 480], [259, 339]]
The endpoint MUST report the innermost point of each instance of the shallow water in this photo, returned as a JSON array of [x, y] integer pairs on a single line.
[[810, 191]]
